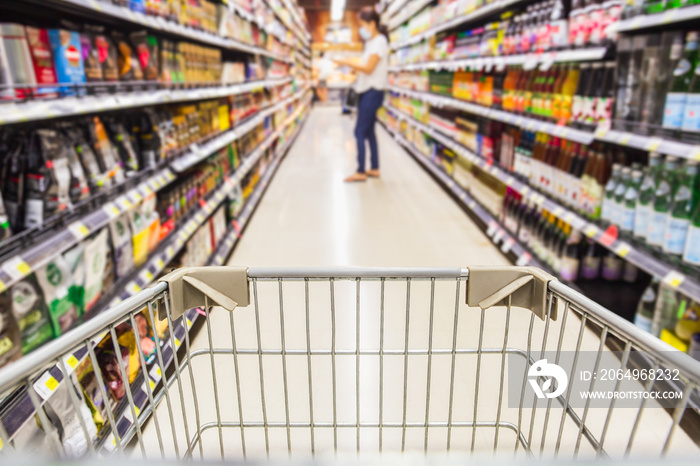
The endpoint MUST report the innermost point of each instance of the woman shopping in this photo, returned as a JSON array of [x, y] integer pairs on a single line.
[[370, 84]]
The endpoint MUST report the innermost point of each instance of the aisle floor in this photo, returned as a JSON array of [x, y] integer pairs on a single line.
[[310, 217]]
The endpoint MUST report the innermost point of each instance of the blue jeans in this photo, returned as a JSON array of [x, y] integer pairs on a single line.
[[367, 106]]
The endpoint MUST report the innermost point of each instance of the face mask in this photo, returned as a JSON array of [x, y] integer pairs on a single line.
[[365, 34]]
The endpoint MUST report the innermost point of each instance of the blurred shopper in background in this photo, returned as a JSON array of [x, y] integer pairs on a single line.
[[371, 81], [325, 69]]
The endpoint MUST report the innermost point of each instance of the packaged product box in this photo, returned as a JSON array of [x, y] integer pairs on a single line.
[[47, 177], [103, 149], [95, 257], [123, 255], [108, 359], [122, 145], [5, 228], [79, 186], [150, 138], [140, 232], [127, 339], [68, 59], [92, 394], [10, 338], [16, 69], [97, 176], [94, 73], [146, 336], [42, 59], [138, 6], [56, 280], [31, 314]]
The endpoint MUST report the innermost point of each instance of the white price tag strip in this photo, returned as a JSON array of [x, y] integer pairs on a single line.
[[46, 385], [16, 268], [70, 362], [79, 230], [523, 260], [507, 245], [674, 279]]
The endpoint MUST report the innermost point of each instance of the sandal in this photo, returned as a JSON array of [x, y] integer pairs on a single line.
[[356, 177], [372, 173]]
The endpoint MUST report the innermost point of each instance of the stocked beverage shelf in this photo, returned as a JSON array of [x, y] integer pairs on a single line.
[[35, 110], [528, 61], [45, 385], [665, 146], [666, 272], [96, 8], [676, 15], [481, 12], [405, 11], [288, 22], [494, 230], [31, 259]]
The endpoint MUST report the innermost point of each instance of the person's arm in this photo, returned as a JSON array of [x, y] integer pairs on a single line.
[[364, 68]]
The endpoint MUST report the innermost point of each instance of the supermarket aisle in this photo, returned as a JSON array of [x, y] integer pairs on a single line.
[[310, 217]]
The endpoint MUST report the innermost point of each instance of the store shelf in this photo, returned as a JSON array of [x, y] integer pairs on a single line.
[[495, 7], [494, 230], [27, 261], [409, 12], [666, 272], [197, 153], [92, 9], [35, 110], [125, 420], [676, 15], [528, 61], [22, 410], [665, 146]]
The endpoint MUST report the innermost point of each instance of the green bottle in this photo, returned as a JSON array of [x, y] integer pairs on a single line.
[[606, 212], [618, 209], [654, 6], [663, 198], [691, 254], [629, 203], [678, 219], [680, 84], [646, 196]]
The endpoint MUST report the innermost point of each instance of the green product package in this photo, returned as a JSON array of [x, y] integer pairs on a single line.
[[56, 281], [31, 314], [10, 343], [76, 265]]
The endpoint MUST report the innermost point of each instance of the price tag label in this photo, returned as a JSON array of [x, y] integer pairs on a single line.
[[557, 212], [160, 265], [569, 218], [133, 288], [491, 230], [622, 249], [674, 279], [78, 230], [123, 203], [3, 287], [601, 131], [111, 210], [669, 16], [199, 217], [653, 144], [498, 236], [695, 153], [70, 362], [169, 176], [507, 245], [590, 231], [170, 252], [156, 374], [146, 276], [625, 139], [136, 196], [177, 342], [16, 268], [46, 385]]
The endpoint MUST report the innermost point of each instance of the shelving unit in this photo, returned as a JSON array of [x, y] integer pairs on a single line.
[[26, 261], [676, 15], [665, 271], [623, 138], [23, 409]]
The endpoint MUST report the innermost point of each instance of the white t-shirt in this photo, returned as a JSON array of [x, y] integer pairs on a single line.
[[377, 78], [325, 69]]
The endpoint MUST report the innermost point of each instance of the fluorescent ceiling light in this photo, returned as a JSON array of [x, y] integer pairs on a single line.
[[337, 10]]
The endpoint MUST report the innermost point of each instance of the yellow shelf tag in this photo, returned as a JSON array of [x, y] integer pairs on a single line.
[[79, 230], [674, 279]]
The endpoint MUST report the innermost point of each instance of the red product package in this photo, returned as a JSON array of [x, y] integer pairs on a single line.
[[42, 60]]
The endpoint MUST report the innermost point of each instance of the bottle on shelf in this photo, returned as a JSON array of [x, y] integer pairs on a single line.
[[612, 266], [645, 200], [647, 303], [680, 84], [590, 263], [571, 257], [681, 209], [629, 204], [607, 208], [691, 112], [691, 253], [618, 202], [663, 197]]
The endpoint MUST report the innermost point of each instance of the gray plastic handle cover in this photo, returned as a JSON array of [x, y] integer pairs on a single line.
[[189, 287], [527, 287]]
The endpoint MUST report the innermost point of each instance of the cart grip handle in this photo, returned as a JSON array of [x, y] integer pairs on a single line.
[[190, 287], [489, 286]]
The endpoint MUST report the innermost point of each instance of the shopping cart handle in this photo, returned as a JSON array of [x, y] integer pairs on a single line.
[[191, 287], [526, 286]]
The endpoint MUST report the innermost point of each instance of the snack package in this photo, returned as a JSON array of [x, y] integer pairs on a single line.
[[127, 339], [122, 145], [98, 406], [5, 228], [106, 53], [235, 202], [146, 48], [148, 131], [13, 166], [68, 59], [79, 187], [10, 339], [56, 280], [94, 74], [47, 177], [17, 69], [97, 175], [147, 340], [42, 60], [76, 264], [95, 257], [127, 61], [166, 71], [104, 150], [121, 245], [65, 418], [31, 314], [109, 365]]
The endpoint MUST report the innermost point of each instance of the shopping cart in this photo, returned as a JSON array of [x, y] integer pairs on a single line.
[[311, 361]]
